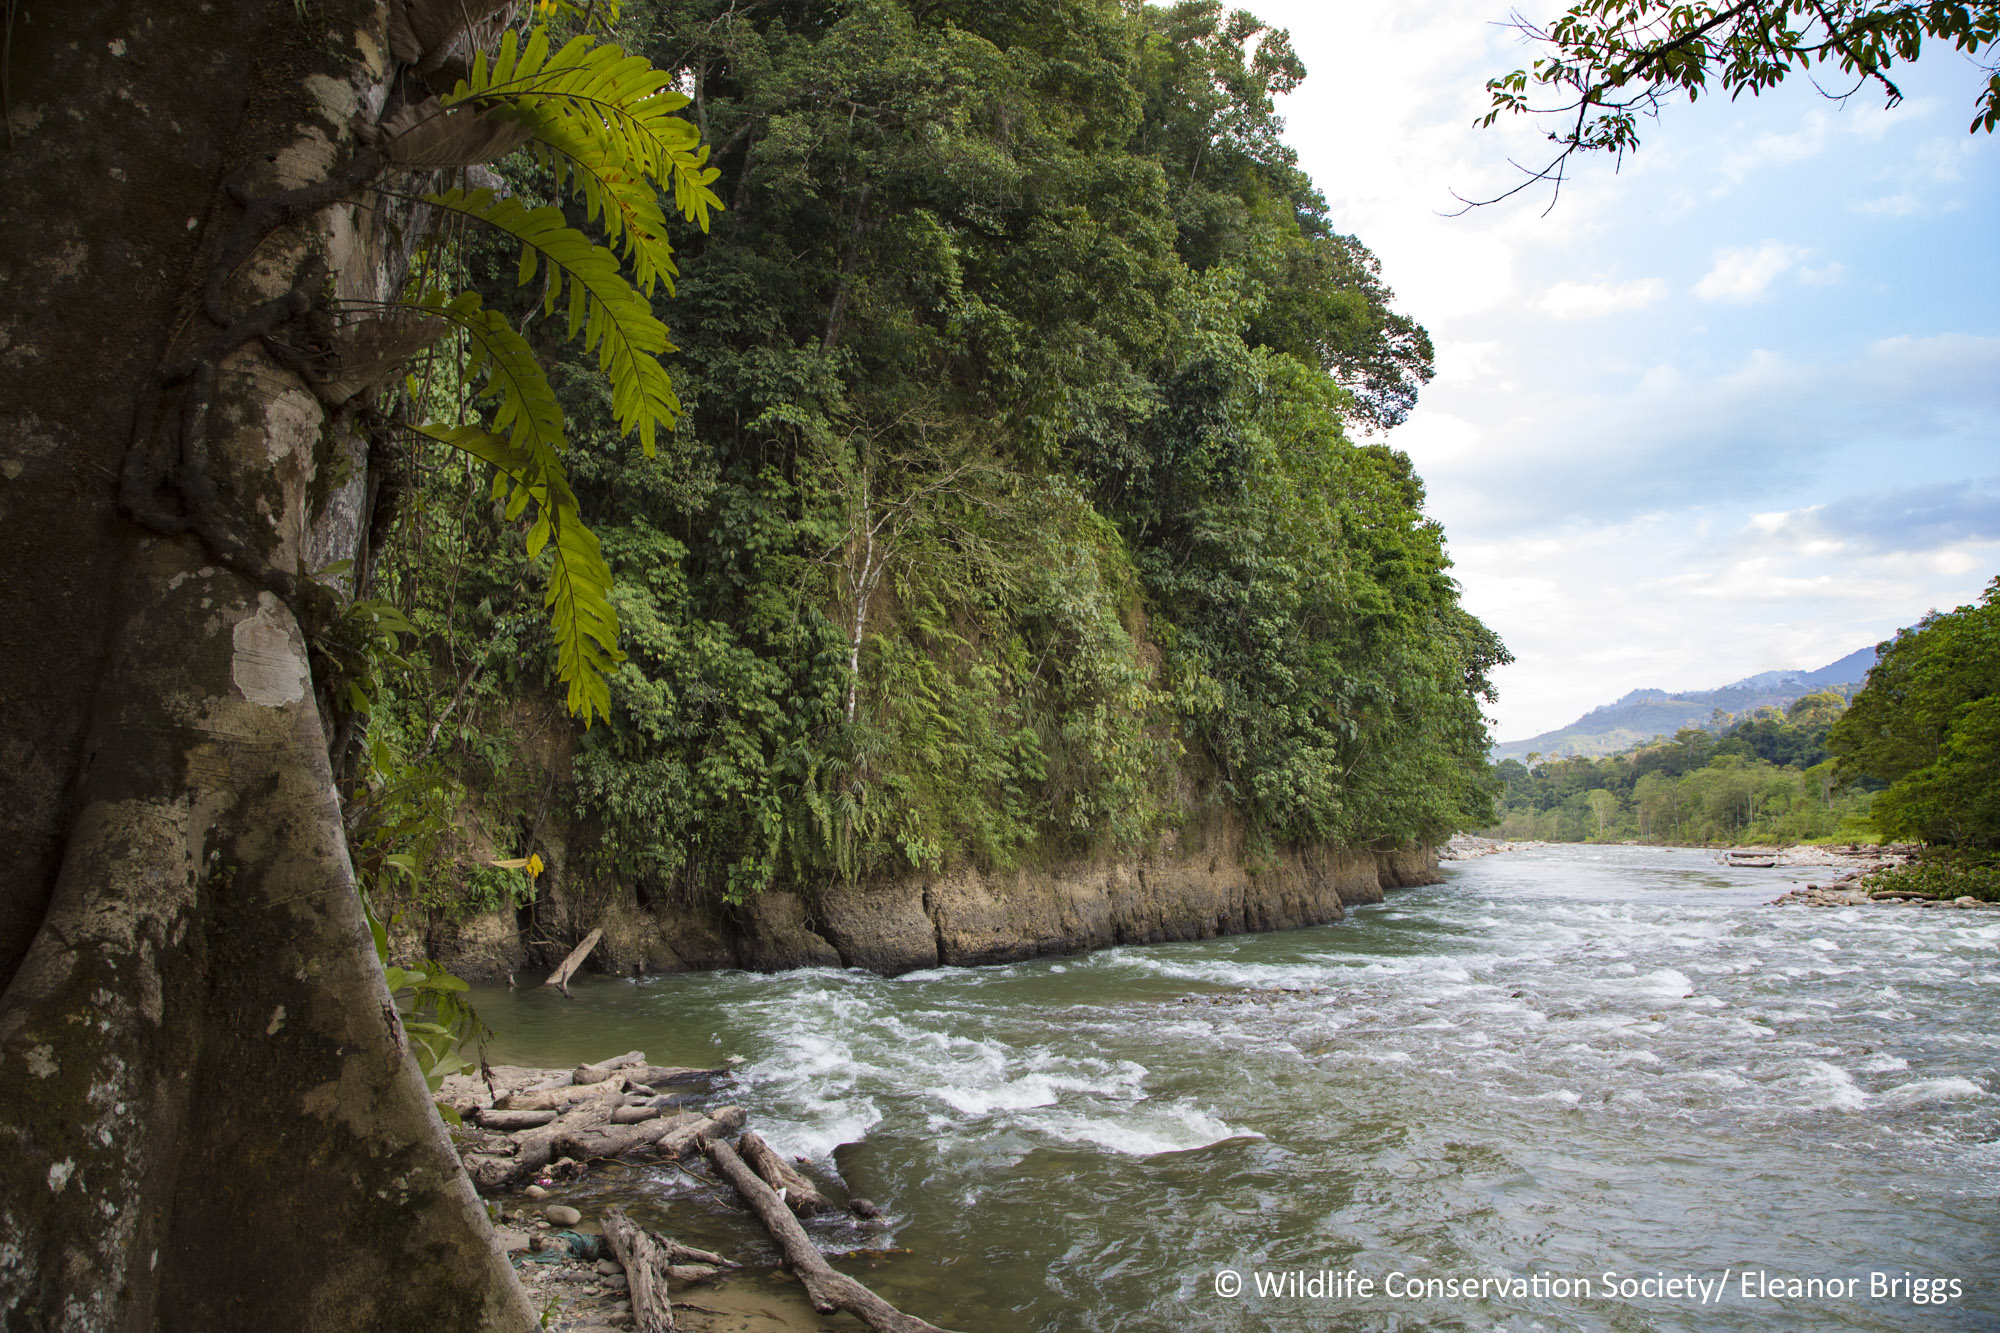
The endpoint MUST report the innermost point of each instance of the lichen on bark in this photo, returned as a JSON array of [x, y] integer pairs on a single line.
[[208, 1119]]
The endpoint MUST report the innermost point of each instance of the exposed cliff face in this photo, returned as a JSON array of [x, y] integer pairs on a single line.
[[963, 917]]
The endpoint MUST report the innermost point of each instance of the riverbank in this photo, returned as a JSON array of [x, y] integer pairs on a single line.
[[1194, 886]]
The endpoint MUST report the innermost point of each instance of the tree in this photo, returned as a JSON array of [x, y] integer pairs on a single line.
[[1928, 723], [1608, 62], [211, 1114], [1603, 807]]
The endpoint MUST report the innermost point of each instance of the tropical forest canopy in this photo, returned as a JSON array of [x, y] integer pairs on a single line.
[[1026, 496]]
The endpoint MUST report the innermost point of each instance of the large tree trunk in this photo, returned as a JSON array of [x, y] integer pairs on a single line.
[[208, 1119]]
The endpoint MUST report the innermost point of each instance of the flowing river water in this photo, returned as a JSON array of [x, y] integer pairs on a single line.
[[1557, 1064]]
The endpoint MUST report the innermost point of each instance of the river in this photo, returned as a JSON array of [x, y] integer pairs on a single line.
[[1557, 1064]]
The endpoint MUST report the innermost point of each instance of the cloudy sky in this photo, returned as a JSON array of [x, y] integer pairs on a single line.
[[1732, 408]]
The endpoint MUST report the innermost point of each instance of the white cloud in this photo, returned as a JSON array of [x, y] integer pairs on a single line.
[[1597, 477], [1589, 300], [1743, 274], [1900, 205]]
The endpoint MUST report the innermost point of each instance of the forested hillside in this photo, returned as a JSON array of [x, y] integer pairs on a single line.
[[1026, 500], [1765, 777]]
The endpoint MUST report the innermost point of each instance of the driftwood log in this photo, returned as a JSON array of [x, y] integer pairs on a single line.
[[662, 1076], [511, 1121], [646, 1272], [587, 1131], [624, 1065], [632, 1115], [560, 977], [555, 1099], [826, 1287], [667, 1135], [801, 1195], [681, 1254]]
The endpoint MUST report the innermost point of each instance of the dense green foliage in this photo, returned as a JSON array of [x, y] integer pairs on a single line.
[[1766, 778], [1928, 724], [1012, 509]]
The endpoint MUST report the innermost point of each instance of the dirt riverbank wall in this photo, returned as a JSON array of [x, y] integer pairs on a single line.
[[957, 917]]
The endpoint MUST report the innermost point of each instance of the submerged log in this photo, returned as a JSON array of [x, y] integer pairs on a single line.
[[828, 1288], [801, 1195], [627, 1064], [646, 1272], [560, 977]]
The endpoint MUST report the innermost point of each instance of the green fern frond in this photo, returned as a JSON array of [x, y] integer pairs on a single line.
[[626, 206], [500, 361], [614, 319], [587, 90]]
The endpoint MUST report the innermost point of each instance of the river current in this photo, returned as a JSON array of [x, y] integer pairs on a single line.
[[1558, 1064]]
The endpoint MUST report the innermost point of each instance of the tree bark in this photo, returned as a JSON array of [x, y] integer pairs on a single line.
[[827, 1288], [208, 1115]]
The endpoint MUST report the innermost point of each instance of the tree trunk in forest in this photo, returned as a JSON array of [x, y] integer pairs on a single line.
[[208, 1116]]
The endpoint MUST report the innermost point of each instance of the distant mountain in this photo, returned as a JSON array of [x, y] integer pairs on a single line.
[[1644, 714]]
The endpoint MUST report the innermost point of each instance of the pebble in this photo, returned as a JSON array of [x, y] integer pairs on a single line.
[[535, 1192], [562, 1215], [606, 1267]]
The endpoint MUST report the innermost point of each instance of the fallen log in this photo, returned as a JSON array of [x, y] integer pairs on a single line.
[[534, 1148], [826, 1287], [484, 1087], [633, 1115], [801, 1196], [645, 1265], [666, 1134], [627, 1064], [687, 1254], [560, 977], [587, 1132], [511, 1121], [556, 1099], [661, 1076]]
